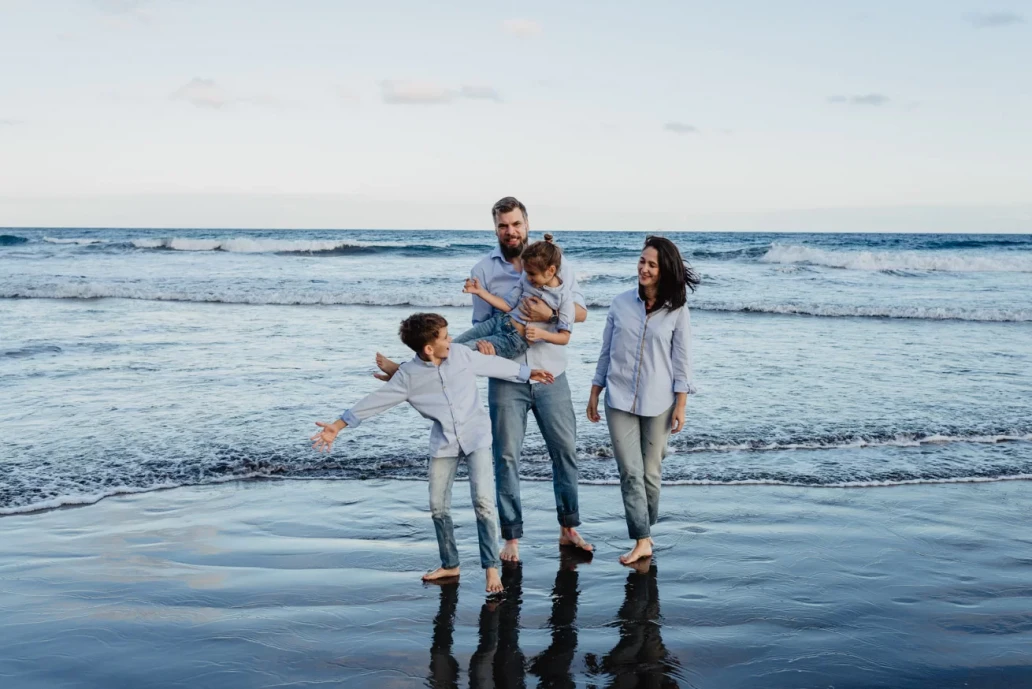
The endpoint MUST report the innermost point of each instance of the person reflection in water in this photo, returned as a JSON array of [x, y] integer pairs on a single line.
[[498, 660], [552, 666], [444, 669], [639, 659]]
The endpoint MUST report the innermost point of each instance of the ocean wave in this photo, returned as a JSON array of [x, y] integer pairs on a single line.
[[79, 241], [418, 296], [906, 261], [12, 239], [28, 487], [248, 245]]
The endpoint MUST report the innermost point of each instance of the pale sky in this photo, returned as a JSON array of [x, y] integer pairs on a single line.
[[740, 115]]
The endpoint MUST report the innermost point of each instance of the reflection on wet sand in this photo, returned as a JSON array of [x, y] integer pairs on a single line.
[[639, 659], [444, 669]]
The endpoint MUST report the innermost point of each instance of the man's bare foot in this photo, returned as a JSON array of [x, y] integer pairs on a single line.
[[494, 582], [642, 549], [569, 536], [641, 566], [388, 367], [511, 551], [441, 573]]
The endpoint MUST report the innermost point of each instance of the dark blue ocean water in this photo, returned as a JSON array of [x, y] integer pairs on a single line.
[[134, 359]]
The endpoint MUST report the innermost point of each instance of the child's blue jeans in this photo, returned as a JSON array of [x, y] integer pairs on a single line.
[[500, 332]]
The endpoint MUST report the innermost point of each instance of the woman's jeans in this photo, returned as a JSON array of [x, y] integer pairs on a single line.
[[500, 332], [639, 445], [482, 490]]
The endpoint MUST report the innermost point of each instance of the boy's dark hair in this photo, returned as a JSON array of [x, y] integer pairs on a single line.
[[507, 205], [420, 329], [675, 276], [544, 254]]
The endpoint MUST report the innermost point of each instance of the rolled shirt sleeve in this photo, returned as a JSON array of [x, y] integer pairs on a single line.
[[681, 353]]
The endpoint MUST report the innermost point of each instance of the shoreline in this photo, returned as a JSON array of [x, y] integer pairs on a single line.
[[298, 582]]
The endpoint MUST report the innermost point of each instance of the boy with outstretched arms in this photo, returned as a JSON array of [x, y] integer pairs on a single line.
[[440, 383]]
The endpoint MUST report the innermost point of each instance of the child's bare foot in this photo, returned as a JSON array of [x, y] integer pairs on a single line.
[[494, 582], [511, 551], [641, 566], [569, 536], [441, 573], [642, 549], [388, 367]]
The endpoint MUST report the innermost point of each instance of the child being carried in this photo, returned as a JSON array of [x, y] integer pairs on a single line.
[[508, 331]]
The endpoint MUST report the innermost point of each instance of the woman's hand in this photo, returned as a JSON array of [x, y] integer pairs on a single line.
[[324, 438], [472, 286], [542, 376], [593, 416], [677, 420]]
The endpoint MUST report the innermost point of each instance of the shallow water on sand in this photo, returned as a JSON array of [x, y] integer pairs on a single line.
[[309, 583]]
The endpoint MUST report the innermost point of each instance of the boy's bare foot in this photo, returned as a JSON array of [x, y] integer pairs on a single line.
[[511, 551], [642, 549], [441, 573], [494, 582], [388, 367], [569, 536]]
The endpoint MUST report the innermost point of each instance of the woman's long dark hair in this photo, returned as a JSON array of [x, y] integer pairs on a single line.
[[675, 276]]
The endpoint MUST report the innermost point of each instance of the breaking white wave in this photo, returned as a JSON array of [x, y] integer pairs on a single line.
[[83, 241], [247, 245], [922, 261]]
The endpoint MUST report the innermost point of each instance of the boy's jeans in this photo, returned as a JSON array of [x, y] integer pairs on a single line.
[[500, 332], [553, 410], [639, 444], [482, 490]]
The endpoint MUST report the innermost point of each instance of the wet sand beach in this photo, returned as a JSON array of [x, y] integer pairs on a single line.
[[316, 583]]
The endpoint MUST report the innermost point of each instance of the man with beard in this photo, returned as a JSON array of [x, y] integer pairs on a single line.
[[509, 403]]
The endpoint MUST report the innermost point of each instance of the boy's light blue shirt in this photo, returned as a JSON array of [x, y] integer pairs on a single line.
[[445, 394], [499, 277], [645, 359]]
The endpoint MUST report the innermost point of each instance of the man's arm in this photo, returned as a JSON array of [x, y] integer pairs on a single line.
[[476, 288]]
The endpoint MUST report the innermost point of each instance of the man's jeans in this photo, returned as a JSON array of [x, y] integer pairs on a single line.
[[553, 410], [639, 445], [500, 332], [482, 490]]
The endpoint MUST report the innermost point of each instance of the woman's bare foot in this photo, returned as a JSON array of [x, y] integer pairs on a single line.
[[388, 367], [642, 549], [569, 536], [494, 582], [511, 551], [441, 573]]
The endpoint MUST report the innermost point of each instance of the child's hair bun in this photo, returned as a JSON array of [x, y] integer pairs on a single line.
[[549, 238]]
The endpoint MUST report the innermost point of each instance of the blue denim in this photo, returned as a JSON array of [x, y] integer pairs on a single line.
[[482, 490], [500, 332], [639, 445], [553, 410]]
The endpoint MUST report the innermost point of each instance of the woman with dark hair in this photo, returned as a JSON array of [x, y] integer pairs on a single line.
[[646, 368]]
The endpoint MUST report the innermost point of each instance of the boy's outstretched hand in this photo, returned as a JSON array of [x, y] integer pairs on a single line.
[[324, 438], [542, 376]]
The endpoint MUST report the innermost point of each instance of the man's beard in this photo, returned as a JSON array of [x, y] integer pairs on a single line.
[[511, 252]]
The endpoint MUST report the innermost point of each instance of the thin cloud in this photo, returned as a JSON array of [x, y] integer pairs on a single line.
[[123, 13], [203, 93], [9, 122], [873, 99], [524, 28], [992, 20], [206, 93], [680, 128], [428, 93], [480, 93]]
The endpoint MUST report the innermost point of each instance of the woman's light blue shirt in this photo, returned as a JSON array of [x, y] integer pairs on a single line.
[[645, 358]]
